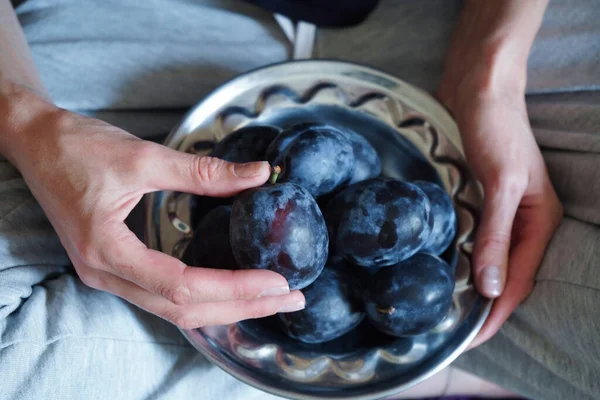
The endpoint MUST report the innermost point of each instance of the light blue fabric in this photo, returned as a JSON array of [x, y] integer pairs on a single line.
[[140, 65]]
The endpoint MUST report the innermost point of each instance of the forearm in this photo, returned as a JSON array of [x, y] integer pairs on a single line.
[[23, 98], [490, 46], [16, 63]]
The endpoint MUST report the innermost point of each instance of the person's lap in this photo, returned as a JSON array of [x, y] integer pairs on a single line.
[[141, 66]]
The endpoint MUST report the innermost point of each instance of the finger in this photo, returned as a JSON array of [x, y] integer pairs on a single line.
[[200, 315], [170, 278], [208, 176], [492, 244], [525, 259], [512, 296]]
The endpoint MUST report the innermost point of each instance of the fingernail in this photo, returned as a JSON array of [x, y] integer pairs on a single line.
[[291, 307], [248, 170], [276, 291], [491, 281]]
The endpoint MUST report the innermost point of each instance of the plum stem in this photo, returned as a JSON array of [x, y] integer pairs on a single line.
[[389, 310], [275, 171]]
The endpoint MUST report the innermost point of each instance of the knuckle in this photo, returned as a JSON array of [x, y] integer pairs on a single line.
[[496, 241], [128, 271], [257, 312], [63, 119], [143, 158], [88, 253], [511, 183], [252, 309], [240, 291], [185, 320], [178, 293], [91, 279], [208, 169], [145, 150]]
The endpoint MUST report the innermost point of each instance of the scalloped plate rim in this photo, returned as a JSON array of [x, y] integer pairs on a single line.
[[151, 240]]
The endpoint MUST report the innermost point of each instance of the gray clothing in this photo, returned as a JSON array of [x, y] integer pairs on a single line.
[[140, 65]]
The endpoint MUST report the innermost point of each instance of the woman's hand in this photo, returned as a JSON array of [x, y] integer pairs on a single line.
[[88, 175], [484, 88], [521, 210]]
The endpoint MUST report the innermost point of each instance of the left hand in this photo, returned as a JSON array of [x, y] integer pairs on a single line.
[[521, 209]]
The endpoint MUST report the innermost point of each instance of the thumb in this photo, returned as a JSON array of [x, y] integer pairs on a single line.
[[492, 243], [210, 176]]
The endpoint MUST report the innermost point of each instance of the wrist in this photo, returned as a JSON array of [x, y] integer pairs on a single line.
[[24, 115], [492, 74], [497, 70], [489, 50]]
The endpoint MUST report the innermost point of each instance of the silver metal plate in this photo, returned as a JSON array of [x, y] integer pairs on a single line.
[[406, 126]]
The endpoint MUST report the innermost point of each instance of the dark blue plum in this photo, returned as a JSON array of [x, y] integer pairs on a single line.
[[333, 308], [444, 218], [319, 158], [280, 227], [379, 222], [285, 138], [202, 205], [411, 297], [335, 207], [368, 164], [332, 206], [246, 144], [400, 154], [336, 262], [210, 247]]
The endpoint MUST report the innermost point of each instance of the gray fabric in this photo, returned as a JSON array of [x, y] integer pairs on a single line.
[[127, 60], [409, 40], [140, 65], [550, 347]]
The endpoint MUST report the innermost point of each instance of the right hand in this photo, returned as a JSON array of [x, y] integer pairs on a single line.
[[88, 175]]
